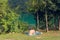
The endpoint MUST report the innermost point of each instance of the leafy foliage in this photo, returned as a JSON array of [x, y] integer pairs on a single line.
[[11, 10]]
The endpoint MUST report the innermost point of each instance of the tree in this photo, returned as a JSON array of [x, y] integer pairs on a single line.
[[58, 11], [49, 6], [41, 5], [7, 23], [33, 6], [3, 6]]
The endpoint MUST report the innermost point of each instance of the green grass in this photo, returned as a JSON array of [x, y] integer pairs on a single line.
[[52, 35]]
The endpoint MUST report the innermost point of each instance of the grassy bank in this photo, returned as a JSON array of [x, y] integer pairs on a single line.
[[52, 35]]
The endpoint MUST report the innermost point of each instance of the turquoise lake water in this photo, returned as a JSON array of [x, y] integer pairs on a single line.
[[28, 18]]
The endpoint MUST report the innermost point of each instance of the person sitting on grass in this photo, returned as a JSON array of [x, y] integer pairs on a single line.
[[31, 32]]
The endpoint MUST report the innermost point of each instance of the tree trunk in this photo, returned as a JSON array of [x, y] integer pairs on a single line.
[[46, 21], [59, 24], [54, 22], [37, 21]]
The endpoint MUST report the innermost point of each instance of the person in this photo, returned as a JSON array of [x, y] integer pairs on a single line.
[[31, 32]]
